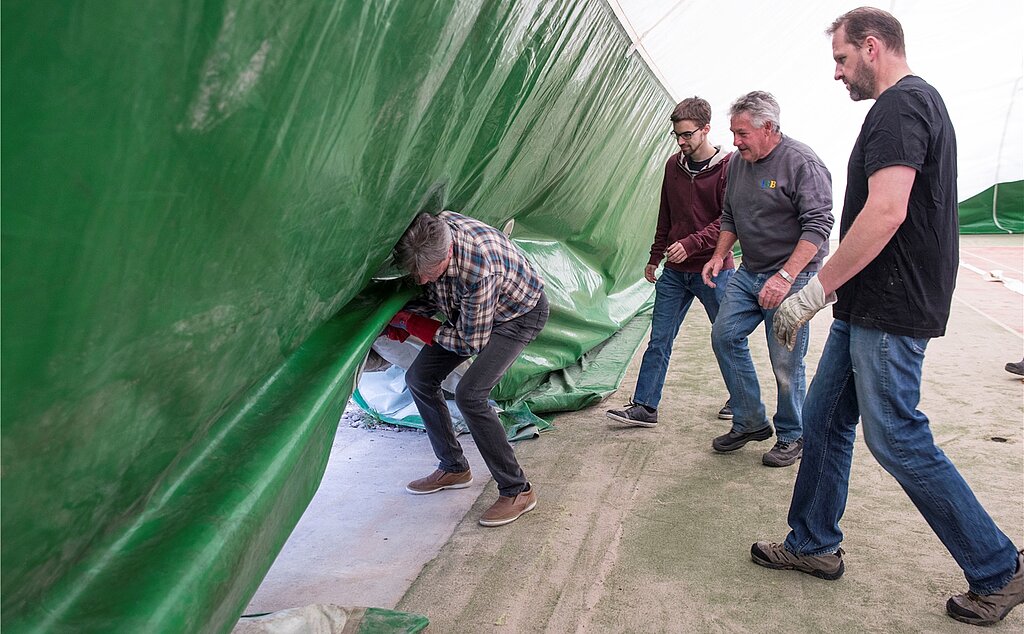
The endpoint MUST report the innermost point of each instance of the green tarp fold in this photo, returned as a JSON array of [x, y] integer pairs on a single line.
[[195, 197]]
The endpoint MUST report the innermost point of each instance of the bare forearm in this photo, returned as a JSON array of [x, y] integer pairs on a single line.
[[870, 232], [725, 241], [882, 215], [803, 253]]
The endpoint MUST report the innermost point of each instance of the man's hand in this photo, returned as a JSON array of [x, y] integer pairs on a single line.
[[711, 270], [798, 310], [773, 292], [675, 253], [649, 273]]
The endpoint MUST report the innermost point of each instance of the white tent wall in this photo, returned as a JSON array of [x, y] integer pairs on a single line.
[[972, 52]]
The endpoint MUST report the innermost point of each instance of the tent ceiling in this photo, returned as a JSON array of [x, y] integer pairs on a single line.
[[971, 51]]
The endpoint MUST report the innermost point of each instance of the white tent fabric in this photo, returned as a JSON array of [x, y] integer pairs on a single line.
[[972, 52]]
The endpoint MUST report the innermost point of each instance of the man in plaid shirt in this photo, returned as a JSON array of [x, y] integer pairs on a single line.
[[492, 304]]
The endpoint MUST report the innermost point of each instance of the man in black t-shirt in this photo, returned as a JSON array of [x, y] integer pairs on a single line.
[[893, 273]]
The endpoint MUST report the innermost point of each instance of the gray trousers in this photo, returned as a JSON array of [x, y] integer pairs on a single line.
[[434, 363]]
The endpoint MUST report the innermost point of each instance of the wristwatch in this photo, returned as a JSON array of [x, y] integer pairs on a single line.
[[786, 276]]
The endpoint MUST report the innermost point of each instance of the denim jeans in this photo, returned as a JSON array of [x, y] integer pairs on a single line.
[[876, 376], [434, 363], [674, 293], [738, 315]]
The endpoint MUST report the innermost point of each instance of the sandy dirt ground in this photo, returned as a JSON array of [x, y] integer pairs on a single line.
[[648, 530]]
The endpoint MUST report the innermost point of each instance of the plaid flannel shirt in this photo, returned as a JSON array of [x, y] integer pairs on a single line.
[[489, 281]]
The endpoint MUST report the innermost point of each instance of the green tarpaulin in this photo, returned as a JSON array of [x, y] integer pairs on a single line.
[[998, 209], [195, 198]]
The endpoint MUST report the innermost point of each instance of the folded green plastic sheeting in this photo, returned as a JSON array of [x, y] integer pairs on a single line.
[[998, 209], [595, 376], [195, 198], [332, 619]]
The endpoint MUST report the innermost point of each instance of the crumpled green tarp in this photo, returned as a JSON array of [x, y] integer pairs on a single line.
[[331, 619], [195, 198]]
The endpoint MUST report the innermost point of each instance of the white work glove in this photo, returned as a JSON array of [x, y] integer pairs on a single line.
[[797, 309]]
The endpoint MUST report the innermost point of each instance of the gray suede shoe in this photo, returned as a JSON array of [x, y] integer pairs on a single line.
[[989, 609], [783, 454], [775, 556]]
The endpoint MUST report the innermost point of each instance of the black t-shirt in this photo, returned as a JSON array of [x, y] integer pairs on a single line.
[[696, 166], [908, 288]]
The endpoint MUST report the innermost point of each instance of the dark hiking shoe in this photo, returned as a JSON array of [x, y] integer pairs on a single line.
[[989, 609], [734, 440], [775, 556], [634, 414], [726, 412], [1016, 368], [440, 480], [784, 454], [509, 509]]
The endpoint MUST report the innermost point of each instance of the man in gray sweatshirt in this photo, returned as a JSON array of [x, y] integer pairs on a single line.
[[778, 204]]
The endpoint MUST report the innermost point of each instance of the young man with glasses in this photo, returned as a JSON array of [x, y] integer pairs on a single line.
[[692, 194]]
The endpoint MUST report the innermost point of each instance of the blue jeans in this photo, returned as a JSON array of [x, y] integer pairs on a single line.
[[674, 293], [738, 315], [876, 376]]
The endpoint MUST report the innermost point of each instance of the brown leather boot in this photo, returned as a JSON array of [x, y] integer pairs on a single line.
[[989, 609]]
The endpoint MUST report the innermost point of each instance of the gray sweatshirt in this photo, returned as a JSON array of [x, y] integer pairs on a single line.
[[777, 201]]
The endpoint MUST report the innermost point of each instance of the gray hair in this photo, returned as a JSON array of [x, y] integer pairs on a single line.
[[424, 244], [760, 106]]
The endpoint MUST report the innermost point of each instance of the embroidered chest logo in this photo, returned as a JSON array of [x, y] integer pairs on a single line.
[[767, 183]]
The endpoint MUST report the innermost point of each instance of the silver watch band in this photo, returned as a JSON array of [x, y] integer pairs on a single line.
[[786, 276]]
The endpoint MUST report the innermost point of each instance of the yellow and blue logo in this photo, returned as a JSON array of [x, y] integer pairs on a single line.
[[767, 183]]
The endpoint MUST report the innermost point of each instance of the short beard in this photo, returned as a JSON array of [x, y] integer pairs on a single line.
[[862, 84]]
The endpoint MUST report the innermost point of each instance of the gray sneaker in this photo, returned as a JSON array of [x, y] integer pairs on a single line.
[[775, 556], [989, 609], [634, 414], [784, 454]]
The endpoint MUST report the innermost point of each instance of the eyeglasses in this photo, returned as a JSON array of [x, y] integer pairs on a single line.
[[686, 136]]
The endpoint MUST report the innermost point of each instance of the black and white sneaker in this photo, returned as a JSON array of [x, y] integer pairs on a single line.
[[634, 414], [726, 412]]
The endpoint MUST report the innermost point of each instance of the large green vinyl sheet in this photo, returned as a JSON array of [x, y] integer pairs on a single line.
[[998, 209], [195, 196]]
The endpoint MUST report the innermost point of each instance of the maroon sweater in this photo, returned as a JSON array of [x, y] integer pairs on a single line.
[[691, 212]]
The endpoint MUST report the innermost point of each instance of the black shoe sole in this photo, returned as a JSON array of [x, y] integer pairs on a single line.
[[759, 435], [820, 574]]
